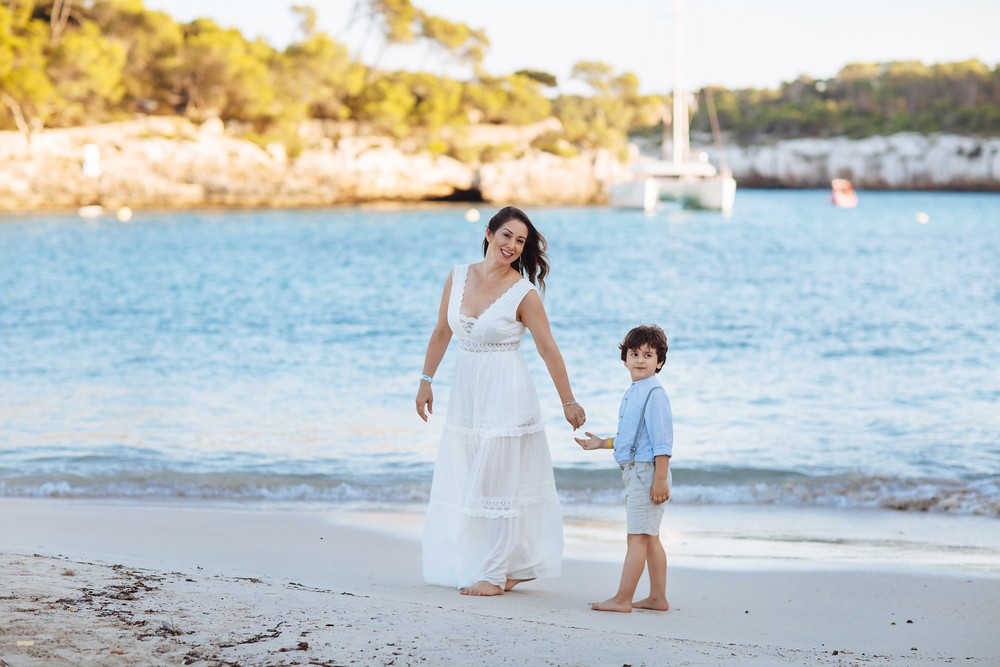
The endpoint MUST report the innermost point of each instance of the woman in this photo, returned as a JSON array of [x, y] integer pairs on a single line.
[[494, 519]]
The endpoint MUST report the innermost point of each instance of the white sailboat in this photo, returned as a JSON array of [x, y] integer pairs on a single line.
[[694, 182]]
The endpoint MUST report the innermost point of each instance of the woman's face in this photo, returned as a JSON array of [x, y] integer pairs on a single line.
[[507, 243]]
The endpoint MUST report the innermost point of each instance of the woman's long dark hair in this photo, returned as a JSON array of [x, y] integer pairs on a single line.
[[533, 262]]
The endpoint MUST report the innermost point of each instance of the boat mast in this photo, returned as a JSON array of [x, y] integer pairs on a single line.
[[680, 121]]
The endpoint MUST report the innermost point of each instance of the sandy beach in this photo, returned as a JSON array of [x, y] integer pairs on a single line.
[[96, 583]]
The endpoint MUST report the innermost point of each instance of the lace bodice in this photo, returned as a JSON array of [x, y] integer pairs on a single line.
[[496, 328]]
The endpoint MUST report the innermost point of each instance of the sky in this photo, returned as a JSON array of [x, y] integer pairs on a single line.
[[730, 43]]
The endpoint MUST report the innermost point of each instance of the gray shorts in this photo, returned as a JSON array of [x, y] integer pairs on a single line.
[[642, 515]]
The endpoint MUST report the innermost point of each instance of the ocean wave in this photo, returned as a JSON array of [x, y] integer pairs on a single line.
[[980, 497], [577, 486]]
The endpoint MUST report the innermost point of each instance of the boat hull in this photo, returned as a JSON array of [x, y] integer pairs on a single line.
[[642, 193], [713, 193]]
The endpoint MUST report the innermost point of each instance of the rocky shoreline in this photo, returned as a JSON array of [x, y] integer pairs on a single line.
[[161, 162], [904, 161]]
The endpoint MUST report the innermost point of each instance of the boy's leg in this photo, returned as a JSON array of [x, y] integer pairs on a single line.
[[656, 564], [635, 562]]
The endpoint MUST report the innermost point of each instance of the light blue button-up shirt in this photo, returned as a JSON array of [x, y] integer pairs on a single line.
[[657, 436]]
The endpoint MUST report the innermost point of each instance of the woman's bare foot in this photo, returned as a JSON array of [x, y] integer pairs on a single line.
[[613, 604], [656, 604], [482, 589], [514, 582]]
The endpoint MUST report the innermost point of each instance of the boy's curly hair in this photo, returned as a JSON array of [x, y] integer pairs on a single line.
[[646, 334]]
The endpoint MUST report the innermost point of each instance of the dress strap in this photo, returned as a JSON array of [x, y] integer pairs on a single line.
[[459, 275], [515, 295], [458, 278]]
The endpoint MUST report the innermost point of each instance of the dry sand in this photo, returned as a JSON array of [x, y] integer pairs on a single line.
[[88, 583]]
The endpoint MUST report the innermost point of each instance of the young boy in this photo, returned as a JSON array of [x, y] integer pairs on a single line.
[[643, 448]]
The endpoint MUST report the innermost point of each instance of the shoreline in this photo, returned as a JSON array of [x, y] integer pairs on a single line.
[[392, 204], [171, 162], [142, 583]]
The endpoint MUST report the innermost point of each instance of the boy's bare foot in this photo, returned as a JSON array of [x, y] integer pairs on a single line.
[[612, 605], [656, 604], [481, 588], [514, 582]]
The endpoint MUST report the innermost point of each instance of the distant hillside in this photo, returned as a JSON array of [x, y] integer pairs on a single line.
[[865, 100]]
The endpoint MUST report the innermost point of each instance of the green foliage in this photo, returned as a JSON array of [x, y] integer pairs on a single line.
[[514, 99], [457, 40], [308, 19], [87, 70], [279, 133], [153, 44], [397, 19], [605, 118], [223, 75], [65, 63], [482, 154], [438, 101], [867, 99], [26, 91], [555, 143], [386, 105], [525, 100], [496, 152], [400, 22], [318, 75], [437, 146], [544, 78]]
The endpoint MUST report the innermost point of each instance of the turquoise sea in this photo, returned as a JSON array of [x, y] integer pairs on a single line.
[[818, 357]]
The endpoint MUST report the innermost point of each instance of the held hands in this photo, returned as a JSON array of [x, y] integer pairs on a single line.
[[425, 399], [574, 415], [592, 441]]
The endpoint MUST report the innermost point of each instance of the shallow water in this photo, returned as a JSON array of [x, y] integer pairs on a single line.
[[818, 356]]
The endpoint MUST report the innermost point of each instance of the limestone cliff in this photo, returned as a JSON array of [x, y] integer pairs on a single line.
[[170, 163], [897, 162]]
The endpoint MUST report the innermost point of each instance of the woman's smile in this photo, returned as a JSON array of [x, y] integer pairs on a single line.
[[509, 240]]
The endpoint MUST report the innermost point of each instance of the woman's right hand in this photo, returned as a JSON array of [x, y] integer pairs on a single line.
[[425, 399], [574, 414]]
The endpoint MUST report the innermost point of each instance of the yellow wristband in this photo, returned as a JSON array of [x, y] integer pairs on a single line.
[[611, 444]]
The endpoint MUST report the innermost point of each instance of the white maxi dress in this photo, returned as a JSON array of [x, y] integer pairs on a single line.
[[493, 512]]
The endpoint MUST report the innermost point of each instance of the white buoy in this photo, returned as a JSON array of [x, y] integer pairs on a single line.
[[472, 215], [90, 211], [92, 161], [124, 214], [923, 218]]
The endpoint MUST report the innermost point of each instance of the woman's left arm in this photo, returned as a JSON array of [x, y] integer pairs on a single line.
[[532, 313]]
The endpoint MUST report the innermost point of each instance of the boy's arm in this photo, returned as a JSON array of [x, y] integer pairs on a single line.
[[660, 491], [593, 442], [660, 424]]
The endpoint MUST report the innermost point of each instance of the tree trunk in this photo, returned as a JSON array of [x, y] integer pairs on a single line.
[[23, 126], [59, 18]]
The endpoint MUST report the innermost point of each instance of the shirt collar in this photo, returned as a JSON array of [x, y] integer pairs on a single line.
[[643, 382]]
